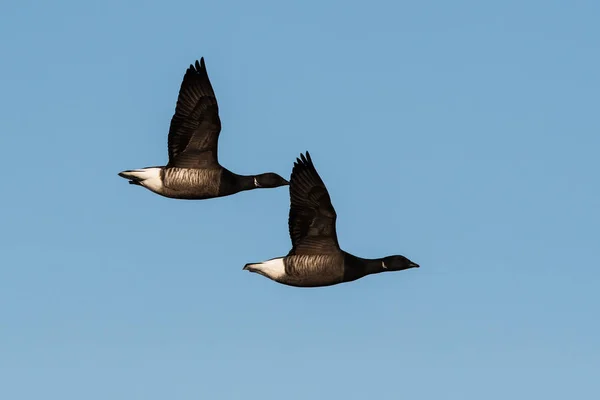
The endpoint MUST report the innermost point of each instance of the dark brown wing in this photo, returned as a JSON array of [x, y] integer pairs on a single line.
[[312, 216], [195, 126]]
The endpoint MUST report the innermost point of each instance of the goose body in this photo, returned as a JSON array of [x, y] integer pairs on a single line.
[[316, 258], [193, 171]]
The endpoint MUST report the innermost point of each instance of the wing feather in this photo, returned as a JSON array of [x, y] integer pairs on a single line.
[[312, 217], [195, 126]]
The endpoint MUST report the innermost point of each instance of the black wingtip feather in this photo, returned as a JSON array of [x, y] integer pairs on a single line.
[[198, 66], [304, 170], [304, 160]]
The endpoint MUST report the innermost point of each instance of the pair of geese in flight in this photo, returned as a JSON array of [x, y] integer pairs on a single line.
[[194, 173]]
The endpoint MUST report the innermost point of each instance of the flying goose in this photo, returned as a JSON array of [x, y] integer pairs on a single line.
[[316, 258], [193, 171]]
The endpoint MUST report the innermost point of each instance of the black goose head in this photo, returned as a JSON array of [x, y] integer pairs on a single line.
[[397, 263], [269, 180]]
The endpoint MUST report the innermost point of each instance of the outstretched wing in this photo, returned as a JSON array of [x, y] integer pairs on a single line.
[[195, 126], [312, 216]]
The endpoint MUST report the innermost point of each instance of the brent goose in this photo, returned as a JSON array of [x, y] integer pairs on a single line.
[[316, 258], [193, 171]]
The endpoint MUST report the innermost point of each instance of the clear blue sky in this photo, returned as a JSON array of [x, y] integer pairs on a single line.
[[463, 134]]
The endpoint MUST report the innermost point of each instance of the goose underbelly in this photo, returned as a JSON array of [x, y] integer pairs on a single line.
[[313, 270], [186, 183]]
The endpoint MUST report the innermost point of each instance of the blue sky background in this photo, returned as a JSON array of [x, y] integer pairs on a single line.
[[464, 135]]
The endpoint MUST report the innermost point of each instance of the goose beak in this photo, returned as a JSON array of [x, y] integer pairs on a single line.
[[414, 265]]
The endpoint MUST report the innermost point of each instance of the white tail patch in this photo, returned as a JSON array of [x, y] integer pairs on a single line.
[[148, 177], [273, 269]]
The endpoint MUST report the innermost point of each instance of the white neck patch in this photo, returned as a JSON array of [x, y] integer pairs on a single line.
[[383, 265], [256, 183]]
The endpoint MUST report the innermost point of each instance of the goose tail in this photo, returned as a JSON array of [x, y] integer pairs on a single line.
[[142, 177]]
